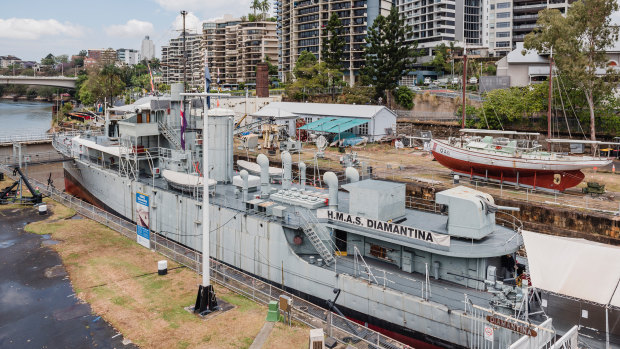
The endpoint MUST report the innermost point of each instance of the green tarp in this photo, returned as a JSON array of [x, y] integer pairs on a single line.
[[333, 125]]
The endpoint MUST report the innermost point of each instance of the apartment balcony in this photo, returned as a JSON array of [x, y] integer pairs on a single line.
[[529, 8], [525, 18]]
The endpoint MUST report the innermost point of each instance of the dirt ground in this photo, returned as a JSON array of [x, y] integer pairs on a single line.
[[416, 165], [119, 279]]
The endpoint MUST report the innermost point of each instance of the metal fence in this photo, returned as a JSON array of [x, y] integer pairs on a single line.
[[32, 137], [335, 326]]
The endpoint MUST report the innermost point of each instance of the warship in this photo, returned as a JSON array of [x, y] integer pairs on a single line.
[[416, 275]]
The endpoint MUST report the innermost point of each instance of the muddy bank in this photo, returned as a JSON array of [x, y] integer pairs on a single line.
[[39, 309]]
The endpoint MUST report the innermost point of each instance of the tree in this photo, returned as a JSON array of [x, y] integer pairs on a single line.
[[304, 64], [309, 74], [332, 47], [61, 59], [48, 60], [441, 59], [255, 6], [404, 97], [388, 57], [105, 84], [265, 4], [579, 42]]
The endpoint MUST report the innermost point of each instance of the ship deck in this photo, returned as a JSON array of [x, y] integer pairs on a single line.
[[442, 292]]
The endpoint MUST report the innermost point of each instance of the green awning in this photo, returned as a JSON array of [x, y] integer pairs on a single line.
[[334, 125]]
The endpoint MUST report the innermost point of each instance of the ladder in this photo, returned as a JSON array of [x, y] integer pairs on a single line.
[[310, 231], [169, 134]]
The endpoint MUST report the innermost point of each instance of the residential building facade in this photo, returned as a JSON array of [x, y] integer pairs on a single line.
[[234, 47], [444, 22], [301, 28], [510, 20], [128, 56], [7, 61], [172, 64], [101, 56], [147, 51]]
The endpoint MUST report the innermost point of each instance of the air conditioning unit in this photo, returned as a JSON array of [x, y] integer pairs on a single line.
[[317, 339]]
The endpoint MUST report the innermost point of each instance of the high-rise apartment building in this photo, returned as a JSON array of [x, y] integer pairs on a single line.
[[444, 21], [128, 56], [510, 20], [301, 26], [234, 47], [147, 51], [172, 60]]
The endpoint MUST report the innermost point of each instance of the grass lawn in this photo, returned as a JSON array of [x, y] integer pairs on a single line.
[[119, 279]]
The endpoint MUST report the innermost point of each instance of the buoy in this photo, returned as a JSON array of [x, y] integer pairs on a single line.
[[42, 209], [162, 267]]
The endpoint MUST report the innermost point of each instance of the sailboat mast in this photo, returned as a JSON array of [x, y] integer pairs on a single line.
[[464, 80], [549, 99]]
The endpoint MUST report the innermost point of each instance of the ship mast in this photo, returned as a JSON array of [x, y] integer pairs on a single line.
[[183, 13], [549, 99]]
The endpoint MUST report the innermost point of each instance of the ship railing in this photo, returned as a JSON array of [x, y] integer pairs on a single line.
[[337, 327]]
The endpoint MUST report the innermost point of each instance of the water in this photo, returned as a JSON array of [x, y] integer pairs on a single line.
[[24, 117]]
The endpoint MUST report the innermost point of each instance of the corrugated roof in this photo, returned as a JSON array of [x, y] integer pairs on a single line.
[[290, 109], [333, 125]]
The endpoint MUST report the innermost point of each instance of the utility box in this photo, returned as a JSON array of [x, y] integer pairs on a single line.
[[317, 339], [407, 262], [286, 303], [375, 199]]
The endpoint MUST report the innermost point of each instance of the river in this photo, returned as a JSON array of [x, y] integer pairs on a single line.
[[24, 117]]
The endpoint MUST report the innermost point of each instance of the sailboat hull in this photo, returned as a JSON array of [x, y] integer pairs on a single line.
[[557, 175]]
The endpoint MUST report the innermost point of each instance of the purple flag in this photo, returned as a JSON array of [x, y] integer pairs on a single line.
[[183, 126]]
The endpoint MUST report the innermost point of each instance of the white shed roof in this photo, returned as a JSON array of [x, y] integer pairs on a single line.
[[293, 109]]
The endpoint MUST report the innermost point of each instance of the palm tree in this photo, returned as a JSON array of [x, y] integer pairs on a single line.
[[265, 7], [256, 5]]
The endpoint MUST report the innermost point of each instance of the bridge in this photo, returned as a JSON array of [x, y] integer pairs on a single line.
[[55, 81]]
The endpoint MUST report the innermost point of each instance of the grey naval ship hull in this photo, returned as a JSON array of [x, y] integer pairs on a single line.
[[262, 247]]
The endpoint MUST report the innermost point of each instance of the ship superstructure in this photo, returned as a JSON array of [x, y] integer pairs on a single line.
[[410, 272]]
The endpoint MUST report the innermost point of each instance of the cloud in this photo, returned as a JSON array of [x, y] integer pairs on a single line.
[[34, 29], [208, 8], [133, 28], [615, 18], [193, 24]]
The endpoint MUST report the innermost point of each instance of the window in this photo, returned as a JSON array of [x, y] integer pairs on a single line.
[[502, 5], [492, 7], [363, 129], [503, 24], [503, 34], [502, 44], [503, 15]]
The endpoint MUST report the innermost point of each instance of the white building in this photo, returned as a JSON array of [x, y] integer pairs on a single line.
[[148, 48], [371, 121], [433, 23], [173, 68], [531, 67], [128, 56]]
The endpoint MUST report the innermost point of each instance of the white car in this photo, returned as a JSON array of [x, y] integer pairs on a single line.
[[427, 81], [473, 80], [455, 81]]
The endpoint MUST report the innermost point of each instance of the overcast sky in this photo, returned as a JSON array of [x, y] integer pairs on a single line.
[[32, 29]]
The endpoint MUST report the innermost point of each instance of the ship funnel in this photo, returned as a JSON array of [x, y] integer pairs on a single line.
[[331, 180], [287, 162], [352, 175], [244, 178], [302, 175], [263, 162]]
